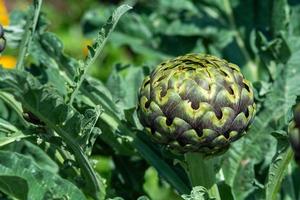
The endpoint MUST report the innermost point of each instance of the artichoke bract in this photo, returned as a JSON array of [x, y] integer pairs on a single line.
[[196, 103]]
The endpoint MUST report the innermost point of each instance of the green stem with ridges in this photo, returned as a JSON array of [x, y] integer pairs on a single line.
[[202, 173]]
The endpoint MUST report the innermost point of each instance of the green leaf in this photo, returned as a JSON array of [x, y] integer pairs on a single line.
[[104, 34], [197, 193], [139, 46], [143, 198], [280, 16], [29, 32], [98, 45], [90, 132], [277, 171], [49, 107], [238, 168], [40, 157], [225, 191], [23, 179], [124, 166], [166, 170], [124, 88], [91, 88], [19, 189], [294, 22], [99, 94], [178, 5], [9, 133], [116, 198], [14, 105], [53, 47], [244, 154], [293, 178], [156, 189]]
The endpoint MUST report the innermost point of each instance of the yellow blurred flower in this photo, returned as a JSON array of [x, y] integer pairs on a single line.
[[8, 62], [86, 43], [4, 17]]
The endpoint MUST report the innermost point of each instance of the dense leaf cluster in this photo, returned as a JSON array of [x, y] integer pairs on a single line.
[[64, 134]]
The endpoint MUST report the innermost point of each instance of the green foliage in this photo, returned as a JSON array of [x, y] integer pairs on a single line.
[[66, 134], [22, 178], [197, 193]]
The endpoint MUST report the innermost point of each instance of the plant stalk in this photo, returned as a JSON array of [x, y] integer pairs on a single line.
[[30, 29], [201, 173]]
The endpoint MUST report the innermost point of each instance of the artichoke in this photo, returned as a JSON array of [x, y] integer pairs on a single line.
[[2, 39], [196, 103], [295, 143], [295, 134]]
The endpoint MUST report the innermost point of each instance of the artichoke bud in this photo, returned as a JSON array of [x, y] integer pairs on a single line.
[[297, 116], [295, 143], [2, 39], [196, 103], [295, 134]]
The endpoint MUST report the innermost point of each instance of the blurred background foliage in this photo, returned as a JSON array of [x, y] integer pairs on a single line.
[[147, 34], [237, 30]]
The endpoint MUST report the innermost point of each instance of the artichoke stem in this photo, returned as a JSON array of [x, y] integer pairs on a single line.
[[201, 173]]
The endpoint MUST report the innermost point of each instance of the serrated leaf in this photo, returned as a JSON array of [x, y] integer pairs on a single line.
[[64, 119], [97, 47], [277, 171], [89, 133], [197, 193], [239, 168], [29, 32], [104, 34], [18, 171]]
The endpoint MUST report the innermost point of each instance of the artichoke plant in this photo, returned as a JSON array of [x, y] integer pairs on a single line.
[[196, 103]]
